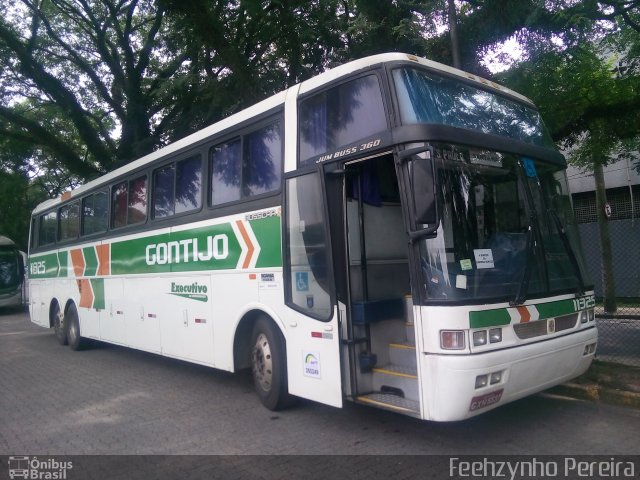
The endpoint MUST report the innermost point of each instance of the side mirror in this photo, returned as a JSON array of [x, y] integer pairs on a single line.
[[423, 190]]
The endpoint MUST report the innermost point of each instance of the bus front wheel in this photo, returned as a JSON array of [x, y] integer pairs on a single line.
[[58, 324], [76, 342], [269, 365]]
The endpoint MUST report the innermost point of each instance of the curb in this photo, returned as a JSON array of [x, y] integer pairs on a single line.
[[596, 393]]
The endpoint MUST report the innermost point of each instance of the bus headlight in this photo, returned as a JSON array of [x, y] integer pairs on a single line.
[[482, 381], [495, 335], [592, 315], [452, 339], [479, 338], [584, 316]]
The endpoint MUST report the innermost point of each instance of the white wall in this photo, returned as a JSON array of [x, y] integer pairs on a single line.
[[617, 174]]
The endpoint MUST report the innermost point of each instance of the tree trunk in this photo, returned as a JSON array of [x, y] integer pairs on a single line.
[[608, 284], [453, 32]]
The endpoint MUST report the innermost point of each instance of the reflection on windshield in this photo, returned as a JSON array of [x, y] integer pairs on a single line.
[[427, 98], [8, 269], [492, 228]]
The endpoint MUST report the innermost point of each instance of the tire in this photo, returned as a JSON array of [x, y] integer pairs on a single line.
[[269, 365], [59, 326], [76, 342]]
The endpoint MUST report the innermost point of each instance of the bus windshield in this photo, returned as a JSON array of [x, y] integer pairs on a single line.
[[424, 97], [507, 230], [9, 272]]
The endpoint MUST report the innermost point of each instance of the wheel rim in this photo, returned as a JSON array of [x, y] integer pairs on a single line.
[[262, 363], [59, 322], [73, 331]]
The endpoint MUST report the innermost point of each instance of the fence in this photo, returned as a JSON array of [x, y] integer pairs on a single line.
[[619, 331]]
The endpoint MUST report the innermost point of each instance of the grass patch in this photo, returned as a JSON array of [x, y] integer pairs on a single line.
[[612, 375]]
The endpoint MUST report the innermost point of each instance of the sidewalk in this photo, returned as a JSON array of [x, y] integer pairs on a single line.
[[605, 382], [623, 312]]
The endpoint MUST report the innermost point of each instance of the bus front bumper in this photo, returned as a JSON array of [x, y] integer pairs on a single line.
[[453, 385]]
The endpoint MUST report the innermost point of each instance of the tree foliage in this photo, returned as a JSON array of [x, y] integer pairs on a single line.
[[88, 86]]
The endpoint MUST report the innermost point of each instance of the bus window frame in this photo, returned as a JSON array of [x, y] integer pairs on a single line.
[[241, 133], [174, 160], [103, 189], [286, 256], [68, 204], [387, 105]]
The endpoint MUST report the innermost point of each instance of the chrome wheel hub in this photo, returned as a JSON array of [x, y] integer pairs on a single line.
[[261, 363]]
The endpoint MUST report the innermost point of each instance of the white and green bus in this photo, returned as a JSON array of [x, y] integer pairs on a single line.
[[12, 262], [392, 232]]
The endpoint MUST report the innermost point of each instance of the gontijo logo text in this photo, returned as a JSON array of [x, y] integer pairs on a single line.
[[217, 247]]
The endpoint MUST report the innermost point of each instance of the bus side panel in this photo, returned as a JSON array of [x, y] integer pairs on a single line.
[[90, 322], [236, 293], [35, 304], [183, 306], [112, 321], [141, 313]]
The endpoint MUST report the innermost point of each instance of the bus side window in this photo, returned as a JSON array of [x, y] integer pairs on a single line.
[[48, 228], [307, 268], [119, 205], [340, 116], [189, 184], [247, 166], [226, 172], [263, 161], [69, 216], [177, 187], [94, 213], [129, 202], [137, 204]]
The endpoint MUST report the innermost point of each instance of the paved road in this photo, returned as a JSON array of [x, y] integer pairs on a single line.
[[111, 400]]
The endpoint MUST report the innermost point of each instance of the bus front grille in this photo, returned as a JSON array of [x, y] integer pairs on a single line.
[[539, 328]]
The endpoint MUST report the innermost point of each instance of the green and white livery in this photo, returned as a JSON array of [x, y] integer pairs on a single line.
[[392, 232]]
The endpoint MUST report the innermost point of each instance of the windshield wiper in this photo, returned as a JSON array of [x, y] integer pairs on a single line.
[[570, 252], [521, 294]]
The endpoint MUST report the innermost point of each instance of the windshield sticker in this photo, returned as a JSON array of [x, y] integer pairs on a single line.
[[485, 157], [484, 258], [466, 264], [529, 168], [461, 282], [311, 364]]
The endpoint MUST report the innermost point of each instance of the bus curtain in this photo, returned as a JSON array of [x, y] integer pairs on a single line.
[[369, 184]]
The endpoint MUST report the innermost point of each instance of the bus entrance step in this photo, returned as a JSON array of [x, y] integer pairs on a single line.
[[391, 402]]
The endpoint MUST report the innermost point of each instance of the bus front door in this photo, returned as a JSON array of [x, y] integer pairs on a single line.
[[313, 337]]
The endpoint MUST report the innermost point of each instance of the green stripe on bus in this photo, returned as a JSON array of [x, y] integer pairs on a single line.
[[90, 261], [207, 248], [489, 318], [267, 232], [63, 262], [555, 309], [97, 285], [44, 266]]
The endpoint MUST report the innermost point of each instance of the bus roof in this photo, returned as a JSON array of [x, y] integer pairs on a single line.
[[273, 102], [6, 242]]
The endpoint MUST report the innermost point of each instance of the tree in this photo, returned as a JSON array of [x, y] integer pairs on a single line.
[[93, 84], [590, 94]]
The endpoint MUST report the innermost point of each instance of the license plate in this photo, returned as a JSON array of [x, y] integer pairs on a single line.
[[485, 400]]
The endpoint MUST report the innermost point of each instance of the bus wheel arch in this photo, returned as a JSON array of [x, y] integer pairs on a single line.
[[260, 344], [57, 321]]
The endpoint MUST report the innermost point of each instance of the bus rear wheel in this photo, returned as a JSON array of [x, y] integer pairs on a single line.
[[59, 324], [269, 365], [76, 342]]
